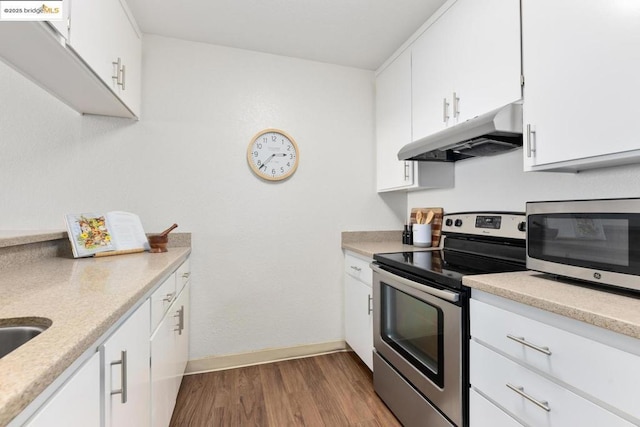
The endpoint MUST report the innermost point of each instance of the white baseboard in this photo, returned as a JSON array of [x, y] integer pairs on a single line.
[[217, 363]]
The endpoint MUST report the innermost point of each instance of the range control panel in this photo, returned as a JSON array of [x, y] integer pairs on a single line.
[[498, 224]]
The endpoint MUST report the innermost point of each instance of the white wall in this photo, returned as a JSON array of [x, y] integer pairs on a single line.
[[498, 183], [266, 257]]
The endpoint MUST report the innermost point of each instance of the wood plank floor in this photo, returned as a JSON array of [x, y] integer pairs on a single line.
[[330, 390]]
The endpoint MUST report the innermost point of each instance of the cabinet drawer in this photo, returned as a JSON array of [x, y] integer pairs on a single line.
[[596, 369], [483, 413], [161, 299], [183, 273], [358, 268], [491, 372]]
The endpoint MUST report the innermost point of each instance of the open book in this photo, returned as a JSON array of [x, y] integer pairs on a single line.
[[92, 233]]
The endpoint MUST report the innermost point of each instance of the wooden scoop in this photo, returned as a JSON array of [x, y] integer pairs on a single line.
[[430, 216], [168, 230], [419, 217]]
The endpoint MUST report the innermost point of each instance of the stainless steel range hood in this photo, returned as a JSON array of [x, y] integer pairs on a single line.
[[489, 134]]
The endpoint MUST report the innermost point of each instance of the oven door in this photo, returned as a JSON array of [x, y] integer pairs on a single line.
[[418, 331]]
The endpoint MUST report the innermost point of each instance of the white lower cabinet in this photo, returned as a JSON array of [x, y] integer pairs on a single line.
[[134, 377], [532, 398], [483, 413], [542, 369], [126, 372], [81, 392], [169, 353], [358, 318]]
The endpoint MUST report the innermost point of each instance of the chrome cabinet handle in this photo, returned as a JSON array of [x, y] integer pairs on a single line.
[[122, 391], [530, 134], [539, 403], [180, 316], [522, 341], [120, 73], [456, 106], [169, 297], [118, 65], [445, 110], [186, 275], [369, 305], [358, 269], [407, 165], [124, 73]]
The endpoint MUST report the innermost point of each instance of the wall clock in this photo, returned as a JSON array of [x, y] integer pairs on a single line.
[[273, 155]]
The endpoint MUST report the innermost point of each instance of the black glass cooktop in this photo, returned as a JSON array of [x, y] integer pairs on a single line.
[[445, 267]]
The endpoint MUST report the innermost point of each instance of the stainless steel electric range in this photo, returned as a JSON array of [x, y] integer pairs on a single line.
[[421, 315]]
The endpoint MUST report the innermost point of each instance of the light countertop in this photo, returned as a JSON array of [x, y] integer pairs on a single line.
[[612, 311], [368, 243], [83, 298]]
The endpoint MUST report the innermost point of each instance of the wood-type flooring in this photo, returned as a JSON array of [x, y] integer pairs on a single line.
[[331, 390]]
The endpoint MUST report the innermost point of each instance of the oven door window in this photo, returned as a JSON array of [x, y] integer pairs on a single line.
[[413, 328]]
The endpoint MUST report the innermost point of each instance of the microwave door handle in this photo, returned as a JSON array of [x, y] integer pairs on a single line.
[[440, 293]]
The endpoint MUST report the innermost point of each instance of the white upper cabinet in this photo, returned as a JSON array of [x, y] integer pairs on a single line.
[[76, 63], [465, 64], [106, 38], [393, 123], [581, 60], [62, 26], [393, 131]]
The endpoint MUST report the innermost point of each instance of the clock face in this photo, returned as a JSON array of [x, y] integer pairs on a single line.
[[273, 155]]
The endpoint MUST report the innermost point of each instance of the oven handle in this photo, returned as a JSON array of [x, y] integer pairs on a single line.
[[440, 293]]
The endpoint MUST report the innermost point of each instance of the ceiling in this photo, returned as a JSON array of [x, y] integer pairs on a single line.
[[354, 33]]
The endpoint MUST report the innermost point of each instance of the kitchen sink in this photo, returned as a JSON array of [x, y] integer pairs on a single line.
[[18, 332]]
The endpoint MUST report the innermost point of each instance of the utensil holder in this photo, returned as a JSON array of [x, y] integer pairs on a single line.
[[422, 235]]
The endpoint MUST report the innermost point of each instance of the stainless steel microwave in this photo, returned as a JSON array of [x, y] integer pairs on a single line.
[[592, 240]]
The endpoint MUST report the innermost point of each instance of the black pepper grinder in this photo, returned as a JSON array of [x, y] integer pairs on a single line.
[[405, 235], [410, 238]]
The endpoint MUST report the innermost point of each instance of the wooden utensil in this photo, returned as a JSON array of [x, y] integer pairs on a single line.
[[419, 217], [430, 216], [168, 230]]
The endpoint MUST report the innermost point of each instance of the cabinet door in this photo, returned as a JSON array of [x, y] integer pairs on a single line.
[[183, 308], [77, 403], [483, 413], [465, 64], [169, 354], [61, 26], [102, 34], [530, 397], [393, 124], [486, 65], [432, 78], [164, 353], [358, 326], [581, 62], [126, 372]]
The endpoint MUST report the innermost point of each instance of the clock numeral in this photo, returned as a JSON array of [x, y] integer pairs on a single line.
[[288, 148], [281, 170], [255, 154], [259, 146], [291, 156], [274, 138], [264, 139], [288, 164], [273, 172], [259, 162]]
